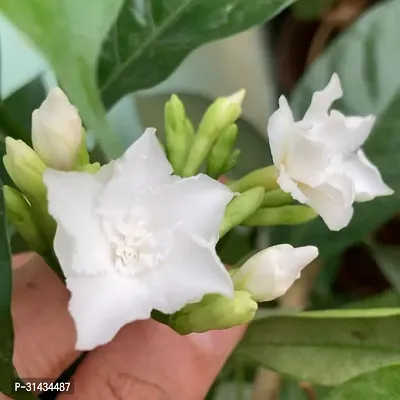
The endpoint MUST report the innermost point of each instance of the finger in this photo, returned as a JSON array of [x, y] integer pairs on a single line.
[[148, 360], [44, 330]]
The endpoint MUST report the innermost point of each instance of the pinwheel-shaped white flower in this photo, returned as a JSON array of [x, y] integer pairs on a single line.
[[319, 158], [133, 238], [271, 272]]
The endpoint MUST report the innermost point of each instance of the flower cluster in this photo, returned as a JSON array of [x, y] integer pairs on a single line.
[[138, 235]]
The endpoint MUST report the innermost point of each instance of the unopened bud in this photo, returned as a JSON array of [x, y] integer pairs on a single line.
[[271, 272], [223, 112], [20, 215], [221, 151], [285, 215], [265, 177], [276, 198], [215, 312], [57, 132], [179, 133], [25, 168], [241, 208], [232, 160]]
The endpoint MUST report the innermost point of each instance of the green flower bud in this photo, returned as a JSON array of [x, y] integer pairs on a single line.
[[221, 151], [25, 168], [286, 215], [215, 312], [90, 168], [223, 112], [276, 198], [265, 177], [179, 133], [231, 161], [20, 215], [241, 208]]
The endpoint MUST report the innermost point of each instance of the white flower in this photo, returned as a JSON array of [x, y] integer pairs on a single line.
[[319, 160], [271, 272], [133, 238], [57, 131]]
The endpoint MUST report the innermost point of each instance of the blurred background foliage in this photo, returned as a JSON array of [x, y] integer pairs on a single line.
[[149, 52]]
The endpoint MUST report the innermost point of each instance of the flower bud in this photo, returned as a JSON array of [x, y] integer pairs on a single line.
[[241, 208], [276, 198], [221, 151], [179, 133], [231, 161], [25, 168], [285, 215], [57, 131], [215, 312], [223, 112], [265, 177], [19, 214], [271, 272]]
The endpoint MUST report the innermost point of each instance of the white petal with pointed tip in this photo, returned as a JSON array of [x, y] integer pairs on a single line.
[[280, 126], [72, 198], [271, 272], [332, 201], [322, 101], [367, 179], [197, 204]]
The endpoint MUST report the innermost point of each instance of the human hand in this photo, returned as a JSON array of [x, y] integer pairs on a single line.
[[146, 360]]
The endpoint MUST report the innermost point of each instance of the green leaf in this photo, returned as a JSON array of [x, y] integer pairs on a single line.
[[310, 9], [20, 106], [7, 372], [324, 347], [70, 34], [383, 384], [388, 260], [368, 67], [151, 38]]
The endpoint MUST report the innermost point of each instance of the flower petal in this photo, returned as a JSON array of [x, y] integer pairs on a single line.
[[322, 100], [307, 159], [143, 165], [344, 135], [332, 201], [280, 127], [271, 272], [290, 186], [367, 179], [72, 198], [192, 270], [102, 305], [196, 204]]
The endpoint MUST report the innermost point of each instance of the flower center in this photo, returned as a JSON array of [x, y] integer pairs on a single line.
[[136, 247]]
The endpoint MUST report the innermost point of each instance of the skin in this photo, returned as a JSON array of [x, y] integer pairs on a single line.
[[146, 360]]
